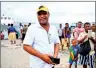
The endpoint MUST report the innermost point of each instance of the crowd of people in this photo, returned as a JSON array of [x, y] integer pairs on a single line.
[[46, 43], [80, 35], [14, 34]]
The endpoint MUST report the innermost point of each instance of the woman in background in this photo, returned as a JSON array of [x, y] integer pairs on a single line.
[[12, 34]]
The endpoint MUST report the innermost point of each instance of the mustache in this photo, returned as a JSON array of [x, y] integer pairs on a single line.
[[42, 18]]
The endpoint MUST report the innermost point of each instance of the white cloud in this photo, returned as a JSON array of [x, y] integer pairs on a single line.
[[60, 12]]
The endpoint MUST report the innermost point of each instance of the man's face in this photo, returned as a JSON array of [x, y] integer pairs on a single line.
[[93, 26], [87, 27], [79, 25], [43, 17], [60, 25], [66, 25]]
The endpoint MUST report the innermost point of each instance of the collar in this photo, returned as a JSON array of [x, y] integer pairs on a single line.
[[38, 25]]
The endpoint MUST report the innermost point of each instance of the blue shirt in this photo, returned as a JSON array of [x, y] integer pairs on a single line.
[[75, 49], [11, 29]]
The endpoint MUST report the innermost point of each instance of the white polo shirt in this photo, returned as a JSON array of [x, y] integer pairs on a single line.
[[42, 41]]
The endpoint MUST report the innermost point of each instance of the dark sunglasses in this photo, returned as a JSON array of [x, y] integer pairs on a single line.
[[41, 13]]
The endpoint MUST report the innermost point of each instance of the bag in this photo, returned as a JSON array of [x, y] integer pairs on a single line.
[[85, 48], [55, 60]]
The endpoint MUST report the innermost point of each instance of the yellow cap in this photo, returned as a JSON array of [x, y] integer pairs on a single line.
[[42, 8]]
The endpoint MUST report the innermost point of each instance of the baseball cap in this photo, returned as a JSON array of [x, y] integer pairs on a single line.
[[42, 8]]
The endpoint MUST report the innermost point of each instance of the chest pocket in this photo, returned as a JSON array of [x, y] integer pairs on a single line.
[[51, 38], [39, 37]]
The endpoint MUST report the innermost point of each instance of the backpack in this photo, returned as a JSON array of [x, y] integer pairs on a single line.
[[85, 48]]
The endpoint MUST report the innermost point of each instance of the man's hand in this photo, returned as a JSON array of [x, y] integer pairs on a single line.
[[85, 36], [46, 58], [91, 38]]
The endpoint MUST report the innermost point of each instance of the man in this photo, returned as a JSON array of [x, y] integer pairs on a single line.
[[42, 41], [21, 28], [29, 24], [8, 27], [78, 30], [67, 34], [60, 31], [24, 30], [93, 27], [89, 58], [94, 30], [60, 35]]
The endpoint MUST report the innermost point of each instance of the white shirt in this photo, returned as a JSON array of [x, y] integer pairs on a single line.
[[21, 27], [60, 32], [40, 40], [91, 43]]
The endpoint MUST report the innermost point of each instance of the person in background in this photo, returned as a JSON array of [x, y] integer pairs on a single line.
[[24, 32], [29, 24], [42, 41], [1, 36], [21, 29], [67, 34], [78, 30], [60, 34], [83, 37], [17, 34], [94, 30], [8, 28], [74, 50], [12, 34], [94, 27]]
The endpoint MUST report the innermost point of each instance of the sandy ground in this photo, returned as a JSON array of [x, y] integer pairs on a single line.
[[13, 56]]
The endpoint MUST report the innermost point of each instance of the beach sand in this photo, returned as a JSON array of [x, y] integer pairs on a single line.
[[13, 56]]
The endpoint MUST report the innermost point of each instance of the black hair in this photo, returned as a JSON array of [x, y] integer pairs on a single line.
[[86, 23], [66, 23], [80, 22], [8, 24], [11, 24]]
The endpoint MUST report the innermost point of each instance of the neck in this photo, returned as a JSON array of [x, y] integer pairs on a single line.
[[45, 26], [86, 31]]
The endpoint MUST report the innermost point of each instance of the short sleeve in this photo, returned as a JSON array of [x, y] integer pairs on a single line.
[[93, 35], [29, 37]]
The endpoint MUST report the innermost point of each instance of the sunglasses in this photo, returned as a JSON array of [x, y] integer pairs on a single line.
[[41, 13]]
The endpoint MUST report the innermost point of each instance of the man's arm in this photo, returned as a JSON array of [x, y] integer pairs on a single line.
[[56, 44], [64, 33], [82, 39], [34, 52], [56, 49], [92, 39]]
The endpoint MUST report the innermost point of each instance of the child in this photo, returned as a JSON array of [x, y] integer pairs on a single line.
[[73, 53]]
